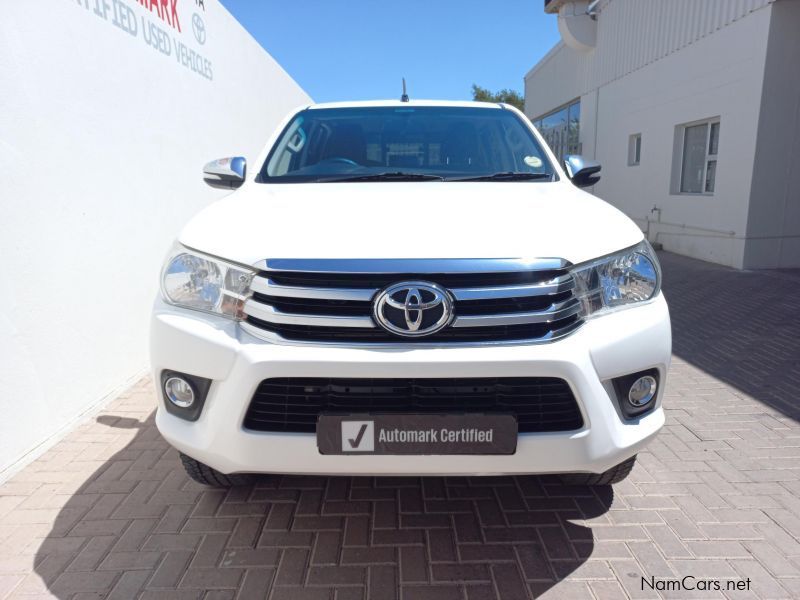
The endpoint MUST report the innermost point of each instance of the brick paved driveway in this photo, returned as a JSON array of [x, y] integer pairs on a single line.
[[108, 512]]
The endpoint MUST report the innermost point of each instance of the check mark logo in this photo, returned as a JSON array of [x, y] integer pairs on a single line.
[[354, 443]]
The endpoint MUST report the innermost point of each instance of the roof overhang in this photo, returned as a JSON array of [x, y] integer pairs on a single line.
[[552, 6]]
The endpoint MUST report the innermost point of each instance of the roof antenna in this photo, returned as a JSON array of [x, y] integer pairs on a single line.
[[404, 97]]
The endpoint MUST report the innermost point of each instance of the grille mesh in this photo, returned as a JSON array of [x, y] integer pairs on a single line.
[[541, 404]]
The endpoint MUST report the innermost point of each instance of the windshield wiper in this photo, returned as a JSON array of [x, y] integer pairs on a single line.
[[389, 176], [505, 176]]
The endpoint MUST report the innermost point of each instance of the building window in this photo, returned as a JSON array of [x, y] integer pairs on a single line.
[[699, 147], [634, 149], [561, 129]]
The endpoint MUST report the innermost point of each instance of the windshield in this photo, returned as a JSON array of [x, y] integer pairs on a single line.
[[411, 143]]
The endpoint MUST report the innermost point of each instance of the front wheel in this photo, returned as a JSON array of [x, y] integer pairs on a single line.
[[613, 475], [207, 476]]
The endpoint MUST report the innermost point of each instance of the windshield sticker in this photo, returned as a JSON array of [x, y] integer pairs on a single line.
[[533, 161]]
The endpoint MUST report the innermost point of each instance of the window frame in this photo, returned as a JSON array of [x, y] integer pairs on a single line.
[[634, 149], [563, 143], [680, 149]]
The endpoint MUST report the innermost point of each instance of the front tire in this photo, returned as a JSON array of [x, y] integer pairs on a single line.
[[612, 476], [207, 476]]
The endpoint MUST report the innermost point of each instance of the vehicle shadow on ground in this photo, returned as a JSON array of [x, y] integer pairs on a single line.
[[741, 327], [139, 527]]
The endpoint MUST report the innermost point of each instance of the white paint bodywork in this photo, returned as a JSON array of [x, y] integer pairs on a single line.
[[455, 220], [349, 220]]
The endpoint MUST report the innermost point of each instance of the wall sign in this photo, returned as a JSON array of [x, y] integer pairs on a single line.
[[158, 24]]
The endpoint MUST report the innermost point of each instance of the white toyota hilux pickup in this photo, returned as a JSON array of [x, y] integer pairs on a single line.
[[409, 288]]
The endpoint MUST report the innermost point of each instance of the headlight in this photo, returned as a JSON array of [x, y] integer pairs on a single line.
[[194, 280], [627, 277]]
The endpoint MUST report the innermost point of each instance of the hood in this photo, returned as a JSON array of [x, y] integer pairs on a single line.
[[410, 220]]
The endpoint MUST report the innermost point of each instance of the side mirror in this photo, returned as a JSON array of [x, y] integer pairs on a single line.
[[582, 172], [227, 173]]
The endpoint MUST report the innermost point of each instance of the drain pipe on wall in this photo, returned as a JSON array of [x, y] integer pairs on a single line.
[[656, 245], [659, 246]]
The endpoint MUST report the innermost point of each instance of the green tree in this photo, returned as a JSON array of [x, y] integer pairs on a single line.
[[512, 97]]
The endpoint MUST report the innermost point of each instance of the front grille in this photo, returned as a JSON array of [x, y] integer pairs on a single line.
[[331, 301], [540, 404]]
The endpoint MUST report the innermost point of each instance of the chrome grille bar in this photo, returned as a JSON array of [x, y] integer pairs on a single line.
[[410, 265], [268, 314], [555, 286], [264, 285], [554, 313]]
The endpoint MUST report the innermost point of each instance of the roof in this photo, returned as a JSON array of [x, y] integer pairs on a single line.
[[542, 61], [399, 104], [552, 6]]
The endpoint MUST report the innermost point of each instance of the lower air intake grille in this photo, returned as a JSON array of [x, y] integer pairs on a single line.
[[541, 404]]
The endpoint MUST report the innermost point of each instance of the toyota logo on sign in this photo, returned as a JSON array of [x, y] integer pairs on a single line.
[[413, 308], [199, 28]]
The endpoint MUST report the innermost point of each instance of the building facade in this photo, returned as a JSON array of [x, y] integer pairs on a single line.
[[693, 109]]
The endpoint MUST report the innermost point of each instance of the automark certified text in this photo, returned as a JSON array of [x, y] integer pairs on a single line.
[[436, 435]]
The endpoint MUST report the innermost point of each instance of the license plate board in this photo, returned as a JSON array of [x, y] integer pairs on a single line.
[[422, 434]]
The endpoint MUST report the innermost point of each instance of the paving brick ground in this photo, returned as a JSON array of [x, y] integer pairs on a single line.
[[108, 512]]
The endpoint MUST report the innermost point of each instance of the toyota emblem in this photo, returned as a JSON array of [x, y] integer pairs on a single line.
[[413, 308]]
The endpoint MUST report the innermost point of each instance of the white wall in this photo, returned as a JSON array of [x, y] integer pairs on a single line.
[[773, 225], [631, 34], [718, 76], [102, 141], [650, 73]]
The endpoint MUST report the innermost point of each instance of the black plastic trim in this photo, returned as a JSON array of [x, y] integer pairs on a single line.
[[623, 384], [200, 385], [293, 404]]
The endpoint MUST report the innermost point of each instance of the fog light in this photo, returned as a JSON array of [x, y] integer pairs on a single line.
[[642, 391], [179, 391], [184, 394]]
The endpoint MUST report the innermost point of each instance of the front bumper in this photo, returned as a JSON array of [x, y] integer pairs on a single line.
[[616, 344]]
